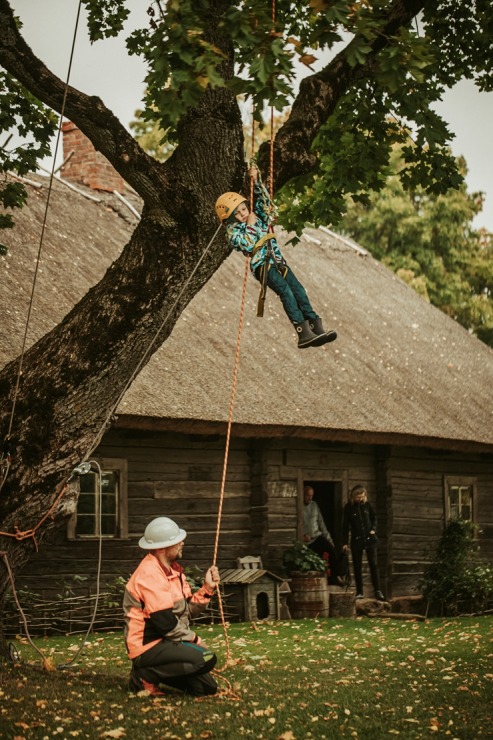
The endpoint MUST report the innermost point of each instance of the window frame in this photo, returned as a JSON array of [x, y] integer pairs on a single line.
[[119, 466], [464, 482]]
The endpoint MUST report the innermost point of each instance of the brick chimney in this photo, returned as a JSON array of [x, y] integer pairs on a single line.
[[86, 165]]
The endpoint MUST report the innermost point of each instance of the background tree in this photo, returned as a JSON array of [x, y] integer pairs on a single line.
[[430, 242], [202, 54]]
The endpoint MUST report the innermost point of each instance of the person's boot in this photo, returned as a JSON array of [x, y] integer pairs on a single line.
[[152, 688], [323, 336], [306, 338]]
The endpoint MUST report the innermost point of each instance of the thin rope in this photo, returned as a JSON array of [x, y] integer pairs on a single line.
[[271, 149], [104, 425], [231, 408], [20, 535], [40, 246], [237, 359], [226, 454], [46, 661], [98, 573]]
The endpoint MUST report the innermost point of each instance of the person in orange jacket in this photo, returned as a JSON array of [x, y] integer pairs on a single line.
[[158, 605]]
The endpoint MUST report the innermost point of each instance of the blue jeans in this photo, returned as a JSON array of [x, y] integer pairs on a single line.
[[292, 294]]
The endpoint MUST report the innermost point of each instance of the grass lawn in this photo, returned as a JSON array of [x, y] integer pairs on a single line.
[[357, 678]]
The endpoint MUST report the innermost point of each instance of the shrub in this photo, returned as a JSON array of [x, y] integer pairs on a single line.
[[457, 581]]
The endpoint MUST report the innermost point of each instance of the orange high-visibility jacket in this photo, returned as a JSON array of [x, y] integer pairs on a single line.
[[158, 602]]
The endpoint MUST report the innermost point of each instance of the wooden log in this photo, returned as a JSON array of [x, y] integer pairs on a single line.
[[342, 604], [397, 615]]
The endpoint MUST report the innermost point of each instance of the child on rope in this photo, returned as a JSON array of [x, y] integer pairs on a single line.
[[251, 233]]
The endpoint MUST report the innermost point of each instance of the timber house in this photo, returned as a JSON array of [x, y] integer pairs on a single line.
[[402, 402]]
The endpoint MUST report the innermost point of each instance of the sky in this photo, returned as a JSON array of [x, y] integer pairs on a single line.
[[105, 69]]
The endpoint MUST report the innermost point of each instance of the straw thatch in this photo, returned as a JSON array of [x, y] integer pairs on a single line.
[[400, 372]]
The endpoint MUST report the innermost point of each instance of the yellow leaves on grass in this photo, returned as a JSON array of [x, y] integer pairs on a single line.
[[117, 732]]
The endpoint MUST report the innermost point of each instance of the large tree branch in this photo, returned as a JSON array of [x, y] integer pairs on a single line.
[[89, 113], [319, 95], [162, 186]]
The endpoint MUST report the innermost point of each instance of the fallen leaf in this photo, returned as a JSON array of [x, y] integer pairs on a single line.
[[117, 732]]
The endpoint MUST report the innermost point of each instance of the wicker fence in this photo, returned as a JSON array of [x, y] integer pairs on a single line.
[[72, 614], [65, 616]]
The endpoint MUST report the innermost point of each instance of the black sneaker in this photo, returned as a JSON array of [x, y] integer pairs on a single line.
[[379, 596]]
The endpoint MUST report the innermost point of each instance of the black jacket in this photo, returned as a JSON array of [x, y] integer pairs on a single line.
[[359, 520]]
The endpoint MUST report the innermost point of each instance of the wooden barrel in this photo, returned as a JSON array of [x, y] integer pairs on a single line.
[[309, 595]]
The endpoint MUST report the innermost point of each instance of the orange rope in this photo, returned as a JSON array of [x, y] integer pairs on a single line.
[[47, 662], [20, 535], [271, 151], [226, 452]]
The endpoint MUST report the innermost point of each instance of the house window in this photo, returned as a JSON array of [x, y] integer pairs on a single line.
[[101, 506], [459, 498]]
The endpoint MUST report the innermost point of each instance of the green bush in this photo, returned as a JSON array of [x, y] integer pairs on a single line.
[[457, 581]]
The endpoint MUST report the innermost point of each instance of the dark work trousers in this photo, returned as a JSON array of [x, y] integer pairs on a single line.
[[371, 555], [321, 545], [181, 665], [292, 294]]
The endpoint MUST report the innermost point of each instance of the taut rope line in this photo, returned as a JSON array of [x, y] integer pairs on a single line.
[[40, 247], [104, 425]]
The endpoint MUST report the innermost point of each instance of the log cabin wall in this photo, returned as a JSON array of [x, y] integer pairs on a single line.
[[293, 462], [178, 475], [417, 494]]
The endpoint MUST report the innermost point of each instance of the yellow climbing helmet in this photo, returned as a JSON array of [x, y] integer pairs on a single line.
[[227, 203]]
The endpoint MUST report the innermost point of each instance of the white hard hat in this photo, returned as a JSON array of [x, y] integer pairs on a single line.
[[161, 532]]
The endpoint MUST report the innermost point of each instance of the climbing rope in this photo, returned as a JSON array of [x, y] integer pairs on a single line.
[[98, 436], [237, 354], [20, 535], [98, 572], [226, 451], [38, 258], [47, 662]]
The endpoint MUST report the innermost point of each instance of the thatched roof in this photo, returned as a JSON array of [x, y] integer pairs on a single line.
[[400, 372]]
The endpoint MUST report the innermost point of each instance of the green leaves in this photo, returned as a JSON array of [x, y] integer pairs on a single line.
[[300, 558], [22, 112], [182, 63], [456, 581], [105, 17]]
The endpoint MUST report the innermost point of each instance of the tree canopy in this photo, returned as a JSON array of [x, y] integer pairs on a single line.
[[430, 242], [397, 57]]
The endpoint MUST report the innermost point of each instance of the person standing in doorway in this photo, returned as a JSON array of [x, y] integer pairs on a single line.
[[316, 535], [360, 524]]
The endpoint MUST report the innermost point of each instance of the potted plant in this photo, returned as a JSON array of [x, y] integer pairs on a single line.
[[308, 582], [300, 559]]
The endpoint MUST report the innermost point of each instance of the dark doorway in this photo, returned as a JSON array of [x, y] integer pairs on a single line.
[[263, 606], [328, 495]]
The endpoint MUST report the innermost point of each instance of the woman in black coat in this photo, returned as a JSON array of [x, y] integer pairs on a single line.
[[360, 521]]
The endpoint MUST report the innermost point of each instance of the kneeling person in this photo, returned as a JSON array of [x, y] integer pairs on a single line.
[[158, 604]]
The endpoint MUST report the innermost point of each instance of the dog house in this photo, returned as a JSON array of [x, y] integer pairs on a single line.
[[252, 594]]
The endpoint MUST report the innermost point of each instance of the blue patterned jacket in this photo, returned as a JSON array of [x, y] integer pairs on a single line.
[[243, 237]]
